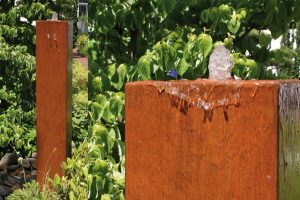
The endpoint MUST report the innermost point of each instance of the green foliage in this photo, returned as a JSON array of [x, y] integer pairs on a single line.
[[31, 191], [82, 45], [80, 103], [67, 10], [79, 117], [143, 40], [284, 60], [73, 185], [287, 59], [18, 132], [121, 35], [17, 75], [79, 77], [107, 167]]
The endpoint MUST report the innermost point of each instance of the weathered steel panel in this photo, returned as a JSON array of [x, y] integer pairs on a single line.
[[289, 141], [202, 139], [53, 95]]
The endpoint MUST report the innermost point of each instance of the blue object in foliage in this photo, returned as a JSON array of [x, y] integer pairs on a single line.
[[173, 73]]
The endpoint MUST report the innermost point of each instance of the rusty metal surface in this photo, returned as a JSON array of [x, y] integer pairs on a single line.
[[289, 141], [53, 95], [202, 140]]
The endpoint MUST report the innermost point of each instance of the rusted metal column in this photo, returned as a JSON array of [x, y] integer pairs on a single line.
[[202, 139], [53, 95]]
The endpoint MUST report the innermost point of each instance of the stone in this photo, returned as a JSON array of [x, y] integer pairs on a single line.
[[25, 163], [13, 180], [23, 173], [33, 162], [3, 177], [34, 155], [13, 167], [34, 172], [1, 198], [30, 177], [17, 171], [4, 190], [16, 187], [8, 159], [220, 64]]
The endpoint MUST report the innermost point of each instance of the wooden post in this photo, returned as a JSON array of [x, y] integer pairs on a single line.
[[53, 96]]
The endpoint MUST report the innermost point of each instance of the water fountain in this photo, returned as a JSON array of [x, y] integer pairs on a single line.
[[213, 139]]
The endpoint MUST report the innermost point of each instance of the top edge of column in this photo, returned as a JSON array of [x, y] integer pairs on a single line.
[[214, 82]]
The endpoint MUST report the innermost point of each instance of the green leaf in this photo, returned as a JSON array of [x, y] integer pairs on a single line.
[[111, 71], [253, 69], [233, 24], [102, 100], [121, 77], [97, 84], [214, 14], [144, 67], [119, 178], [71, 195], [99, 130], [56, 179], [168, 56], [205, 15], [93, 190], [160, 74], [183, 67], [205, 44], [97, 111], [108, 116], [166, 6], [116, 106], [106, 20], [203, 68], [265, 39], [225, 11], [100, 167]]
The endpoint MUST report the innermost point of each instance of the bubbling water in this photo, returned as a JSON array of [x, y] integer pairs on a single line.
[[189, 95]]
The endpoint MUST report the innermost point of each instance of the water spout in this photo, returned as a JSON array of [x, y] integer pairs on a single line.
[[220, 64]]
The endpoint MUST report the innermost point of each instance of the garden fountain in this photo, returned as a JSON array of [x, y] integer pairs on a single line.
[[213, 139]]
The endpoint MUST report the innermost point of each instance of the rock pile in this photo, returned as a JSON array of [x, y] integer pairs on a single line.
[[14, 172]]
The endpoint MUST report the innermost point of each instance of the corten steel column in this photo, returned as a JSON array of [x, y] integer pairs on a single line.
[[207, 139], [53, 95]]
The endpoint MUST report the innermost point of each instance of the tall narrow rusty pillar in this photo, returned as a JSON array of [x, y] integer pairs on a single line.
[[53, 95], [202, 140]]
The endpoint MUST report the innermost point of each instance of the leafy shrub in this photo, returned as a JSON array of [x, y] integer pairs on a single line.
[[17, 132], [284, 59], [73, 185], [82, 45], [31, 191], [80, 103], [79, 117], [17, 75], [81, 98], [107, 165], [80, 77]]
